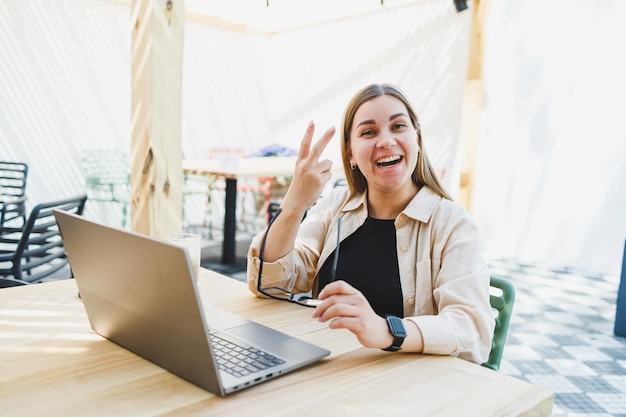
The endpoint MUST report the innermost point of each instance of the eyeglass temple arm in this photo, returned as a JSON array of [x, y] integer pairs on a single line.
[[262, 251]]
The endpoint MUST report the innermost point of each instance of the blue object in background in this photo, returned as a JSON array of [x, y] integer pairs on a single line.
[[620, 312]]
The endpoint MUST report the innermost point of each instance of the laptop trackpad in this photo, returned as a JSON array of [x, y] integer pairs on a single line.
[[258, 334]]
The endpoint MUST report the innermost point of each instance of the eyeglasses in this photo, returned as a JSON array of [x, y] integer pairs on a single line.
[[283, 294]]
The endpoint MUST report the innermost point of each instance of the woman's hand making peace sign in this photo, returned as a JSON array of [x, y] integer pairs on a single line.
[[310, 176]]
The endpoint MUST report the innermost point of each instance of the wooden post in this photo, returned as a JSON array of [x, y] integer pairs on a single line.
[[472, 105], [156, 151]]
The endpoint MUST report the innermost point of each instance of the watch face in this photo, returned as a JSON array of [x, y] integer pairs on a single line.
[[396, 326]]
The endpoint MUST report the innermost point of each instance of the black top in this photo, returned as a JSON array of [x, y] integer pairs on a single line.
[[369, 262]]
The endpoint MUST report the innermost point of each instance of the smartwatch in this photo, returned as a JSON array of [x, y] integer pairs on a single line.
[[397, 331]]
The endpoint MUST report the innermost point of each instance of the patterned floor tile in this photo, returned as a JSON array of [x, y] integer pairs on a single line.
[[579, 403], [561, 338], [592, 384], [618, 381], [611, 403], [570, 367], [586, 353], [556, 383]]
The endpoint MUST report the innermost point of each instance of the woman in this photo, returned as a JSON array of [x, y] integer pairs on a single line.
[[408, 273]]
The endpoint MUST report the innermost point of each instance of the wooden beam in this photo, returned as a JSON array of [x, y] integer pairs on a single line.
[[472, 104], [156, 151]]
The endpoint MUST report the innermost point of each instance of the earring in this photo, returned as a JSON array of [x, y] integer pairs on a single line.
[[352, 166]]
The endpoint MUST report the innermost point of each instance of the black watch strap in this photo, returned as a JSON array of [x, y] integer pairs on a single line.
[[396, 328]]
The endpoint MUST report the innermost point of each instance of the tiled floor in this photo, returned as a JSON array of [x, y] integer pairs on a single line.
[[561, 338]]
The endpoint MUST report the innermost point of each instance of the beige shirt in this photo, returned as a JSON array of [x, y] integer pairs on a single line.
[[444, 278]]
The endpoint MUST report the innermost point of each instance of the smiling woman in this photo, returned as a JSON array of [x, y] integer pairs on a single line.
[[395, 215]]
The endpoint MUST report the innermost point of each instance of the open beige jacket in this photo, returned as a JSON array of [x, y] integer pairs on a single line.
[[444, 278]]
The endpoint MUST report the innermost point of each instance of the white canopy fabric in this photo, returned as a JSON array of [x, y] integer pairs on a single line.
[[551, 171]]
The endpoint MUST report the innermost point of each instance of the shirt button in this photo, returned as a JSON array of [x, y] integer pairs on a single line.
[[411, 301], [404, 248]]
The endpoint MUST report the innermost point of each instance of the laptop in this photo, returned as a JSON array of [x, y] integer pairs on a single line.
[[139, 292]]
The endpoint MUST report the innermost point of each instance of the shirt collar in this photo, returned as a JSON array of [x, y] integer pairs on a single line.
[[423, 205], [420, 208]]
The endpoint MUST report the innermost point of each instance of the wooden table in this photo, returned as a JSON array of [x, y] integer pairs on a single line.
[[274, 166], [52, 363]]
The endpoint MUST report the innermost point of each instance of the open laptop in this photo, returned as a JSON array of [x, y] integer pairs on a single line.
[[140, 293]]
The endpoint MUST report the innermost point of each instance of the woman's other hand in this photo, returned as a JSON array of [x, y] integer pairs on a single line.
[[346, 308]]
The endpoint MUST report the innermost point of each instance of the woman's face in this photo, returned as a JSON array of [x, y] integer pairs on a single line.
[[383, 144]]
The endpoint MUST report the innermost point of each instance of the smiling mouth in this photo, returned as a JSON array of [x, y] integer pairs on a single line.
[[388, 161]]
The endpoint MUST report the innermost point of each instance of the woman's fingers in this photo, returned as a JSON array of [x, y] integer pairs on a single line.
[[337, 287], [310, 175], [321, 144], [305, 145], [345, 307], [312, 153], [335, 296]]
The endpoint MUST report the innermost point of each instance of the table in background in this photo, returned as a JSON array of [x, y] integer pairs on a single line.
[[274, 166], [54, 364]]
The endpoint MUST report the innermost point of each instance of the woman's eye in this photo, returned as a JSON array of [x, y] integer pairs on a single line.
[[367, 132], [399, 126]]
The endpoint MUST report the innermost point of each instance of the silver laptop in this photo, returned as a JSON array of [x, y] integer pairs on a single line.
[[139, 292]]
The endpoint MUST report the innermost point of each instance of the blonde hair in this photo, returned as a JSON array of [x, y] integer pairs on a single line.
[[424, 173]]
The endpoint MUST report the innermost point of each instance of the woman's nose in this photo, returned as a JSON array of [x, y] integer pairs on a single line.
[[386, 140]]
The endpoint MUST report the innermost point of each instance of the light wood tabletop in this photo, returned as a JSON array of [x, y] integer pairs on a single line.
[[52, 363]]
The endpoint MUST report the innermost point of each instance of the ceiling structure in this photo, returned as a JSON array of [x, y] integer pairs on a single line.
[[271, 16]]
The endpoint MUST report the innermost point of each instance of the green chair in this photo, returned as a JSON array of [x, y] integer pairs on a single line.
[[502, 298], [107, 177]]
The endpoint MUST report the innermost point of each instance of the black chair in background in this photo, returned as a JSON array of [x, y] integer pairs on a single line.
[[36, 251], [11, 282], [13, 177]]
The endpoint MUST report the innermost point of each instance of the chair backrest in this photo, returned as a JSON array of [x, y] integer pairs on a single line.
[[11, 282], [107, 177], [272, 209], [13, 176], [104, 169], [502, 298], [38, 248]]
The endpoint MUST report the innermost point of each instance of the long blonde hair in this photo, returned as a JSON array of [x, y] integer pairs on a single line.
[[424, 173]]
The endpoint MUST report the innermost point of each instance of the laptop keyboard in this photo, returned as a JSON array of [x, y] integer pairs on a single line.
[[238, 359]]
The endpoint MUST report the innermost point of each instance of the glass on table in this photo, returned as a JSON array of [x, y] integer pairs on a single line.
[[192, 243]]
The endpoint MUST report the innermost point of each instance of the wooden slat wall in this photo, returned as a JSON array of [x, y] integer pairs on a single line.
[[156, 151]]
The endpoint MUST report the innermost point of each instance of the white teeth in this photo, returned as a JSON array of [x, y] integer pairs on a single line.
[[388, 159]]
